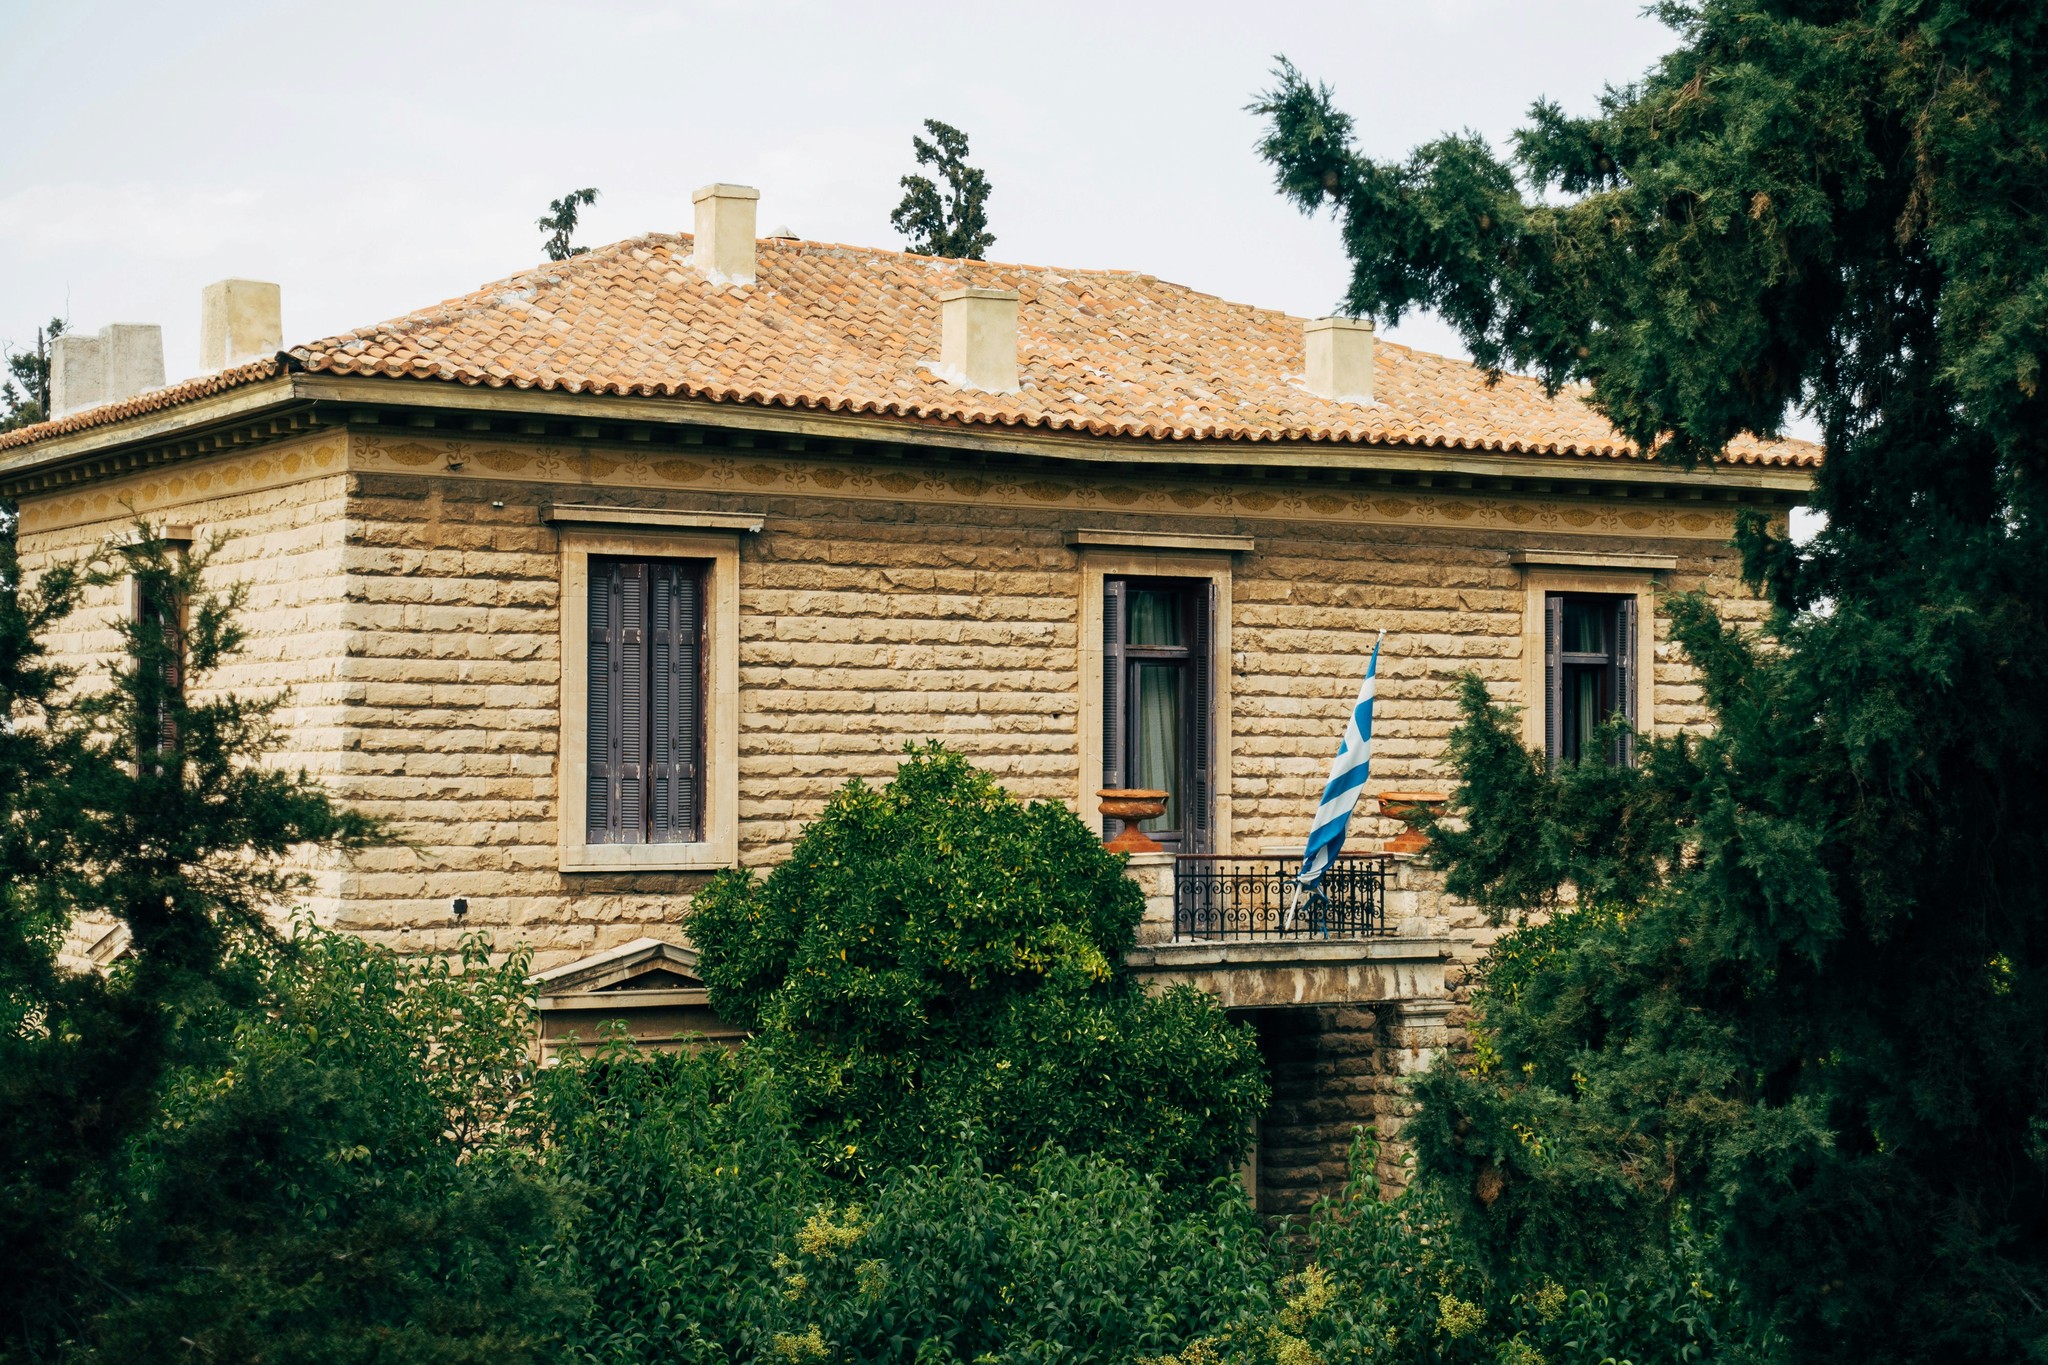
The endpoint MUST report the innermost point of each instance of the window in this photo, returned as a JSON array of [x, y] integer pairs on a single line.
[[644, 727], [647, 777], [158, 612], [1158, 723], [1589, 670]]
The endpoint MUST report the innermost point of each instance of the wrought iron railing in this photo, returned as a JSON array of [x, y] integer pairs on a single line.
[[1216, 897]]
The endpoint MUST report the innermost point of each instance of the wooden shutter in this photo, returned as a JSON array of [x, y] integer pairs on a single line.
[[601, 807], [675, 661], [1198, 824], [1625, 674], [168, 619], [1115, 601], [630, 698], [1553, 676]]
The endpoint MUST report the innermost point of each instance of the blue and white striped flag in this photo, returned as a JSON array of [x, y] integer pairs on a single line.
[[1346, 785]]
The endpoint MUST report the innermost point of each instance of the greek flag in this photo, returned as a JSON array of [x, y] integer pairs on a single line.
[[1346, 785]]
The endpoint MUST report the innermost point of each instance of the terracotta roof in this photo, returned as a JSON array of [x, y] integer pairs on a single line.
[[152, 400], [856, 330]]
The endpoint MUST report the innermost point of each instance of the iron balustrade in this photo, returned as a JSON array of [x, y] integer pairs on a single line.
[[1219, 897]]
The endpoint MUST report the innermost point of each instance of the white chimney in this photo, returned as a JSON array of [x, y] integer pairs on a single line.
[[239, 320], [1340, 359], [125, 359], [978, 338], [725, 233]]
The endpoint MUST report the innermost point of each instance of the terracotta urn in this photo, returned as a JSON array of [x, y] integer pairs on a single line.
[[1410, 808], [1130, 805]]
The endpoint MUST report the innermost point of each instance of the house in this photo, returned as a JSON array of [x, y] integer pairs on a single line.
[[604, 577]]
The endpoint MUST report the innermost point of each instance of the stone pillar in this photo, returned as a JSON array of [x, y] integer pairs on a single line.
[[1153, 872]]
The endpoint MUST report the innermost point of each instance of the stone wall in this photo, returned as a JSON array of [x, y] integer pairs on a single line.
[[284, 520], [407, 591]]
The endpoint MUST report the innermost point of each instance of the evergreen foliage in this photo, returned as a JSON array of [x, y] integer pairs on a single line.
[[937, 963], [952, 222], [1805, 985], [25, 391], [559, 224], [184, 1130], [335, 1185]]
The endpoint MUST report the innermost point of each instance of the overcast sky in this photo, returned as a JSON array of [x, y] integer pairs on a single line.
[[375, 158]]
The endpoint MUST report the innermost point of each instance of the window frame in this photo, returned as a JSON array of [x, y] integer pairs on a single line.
[[1539, 585], [1615, 664], [718, 555], [1098, 565], [1189, 596]]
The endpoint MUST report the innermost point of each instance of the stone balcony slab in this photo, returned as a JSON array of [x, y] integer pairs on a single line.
[[1271, 974]]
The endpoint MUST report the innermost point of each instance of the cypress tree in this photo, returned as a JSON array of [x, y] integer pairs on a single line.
[[1795, 977], [949, 223]]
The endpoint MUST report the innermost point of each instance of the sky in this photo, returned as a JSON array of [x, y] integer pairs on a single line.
[[376, 158]]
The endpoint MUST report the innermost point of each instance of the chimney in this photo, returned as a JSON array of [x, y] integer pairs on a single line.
[[725, 233], [125, 359], [1340, 359], [978, 338], [239, 320]]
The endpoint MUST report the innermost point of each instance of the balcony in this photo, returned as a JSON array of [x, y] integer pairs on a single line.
[[1227, 925], [1218, 898]]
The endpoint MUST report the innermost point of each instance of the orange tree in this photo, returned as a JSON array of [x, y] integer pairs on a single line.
[[938, 964]]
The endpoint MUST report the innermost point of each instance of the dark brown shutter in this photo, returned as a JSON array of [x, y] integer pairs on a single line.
[[630, 718], [675, 706], [1198, 825], [600, 798], [1553, 677], [1625, 674], [167, 619], [1114, 675]]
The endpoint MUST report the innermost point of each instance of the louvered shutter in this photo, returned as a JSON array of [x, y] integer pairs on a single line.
[[630, 699], [1199, 822], [1114, 679], [1625, 674], [166, 618], [675, 706], [600, 798], [1553, 677]]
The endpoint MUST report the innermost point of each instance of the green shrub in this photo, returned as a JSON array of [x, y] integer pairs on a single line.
[[337, 1187], [939, 964], [708, 1236], [1395, 1280]]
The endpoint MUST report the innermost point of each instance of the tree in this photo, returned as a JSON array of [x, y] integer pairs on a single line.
[[336, 1184], [952, 223], [560, 223], [230, 1145], [1801, 977], [939, 965], [26, 390]]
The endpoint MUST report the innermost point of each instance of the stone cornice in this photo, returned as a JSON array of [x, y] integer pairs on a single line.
[[295, 403]]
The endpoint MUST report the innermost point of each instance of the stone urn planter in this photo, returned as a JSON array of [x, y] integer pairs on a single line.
[[1410, 808], [1130, 805]]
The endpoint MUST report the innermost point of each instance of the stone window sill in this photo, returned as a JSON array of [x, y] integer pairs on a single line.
[[706, 857]]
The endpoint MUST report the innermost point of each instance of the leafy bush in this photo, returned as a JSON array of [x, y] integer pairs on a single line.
[[338, 1186], [1395, 1280], [938, 964], [708, 1236]]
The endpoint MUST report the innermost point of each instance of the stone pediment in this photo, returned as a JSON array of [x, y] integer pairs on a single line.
[[649, 987], [644, 965]]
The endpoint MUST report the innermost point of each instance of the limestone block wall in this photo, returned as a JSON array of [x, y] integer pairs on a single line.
[[408, 593], [283, 514]]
